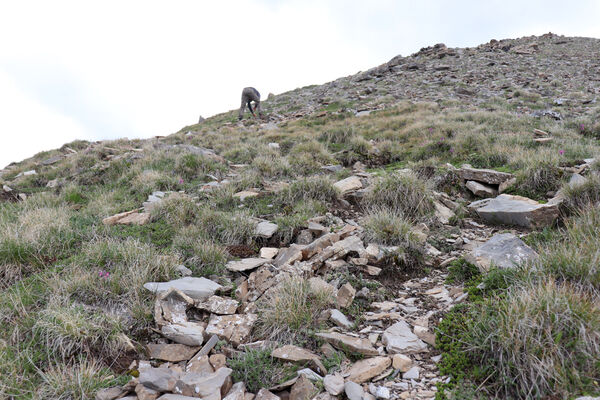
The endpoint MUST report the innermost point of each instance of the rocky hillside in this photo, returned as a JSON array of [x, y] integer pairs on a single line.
[[426, 229]]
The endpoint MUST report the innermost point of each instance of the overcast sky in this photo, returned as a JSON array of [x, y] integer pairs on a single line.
[[108, 69]]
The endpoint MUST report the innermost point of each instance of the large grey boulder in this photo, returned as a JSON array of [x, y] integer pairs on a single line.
[[399, 338], [503, 250], [196, 288], [159, 379], [515, 210]]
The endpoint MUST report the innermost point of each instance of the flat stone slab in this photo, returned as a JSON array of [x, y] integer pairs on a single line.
[[171, 352], [503, 250], [245, 264], [363, 370], [349, 184], [516, 210], [219, 305], [127, 218], [399, 338], [233, 328], [488, 176], [265, 229], [481, 189], [196, 288], [358, 345]]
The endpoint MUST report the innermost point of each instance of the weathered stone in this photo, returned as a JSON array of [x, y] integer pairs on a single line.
[[372, 271], [303, 389], [219, 305], [265, 229], [186, 332], [353, 391], [399, 338], [340, 319], [237, 392], [412, 373], [503, 250], [319, 285], [234, 328], [298, 354], [516, 210], [319, 244], [171, 396], [480, 189], [401, 362], [310, 374], [245, 264], [171, 352], [424, 334], [488, 176], [144, 393], [363, 370], [340, 340], [110, 393], [349, 184], [183, 270], [317, 229], [305, 237], [265, 394], [200, 365], [380, 392], [576, 180], [334, 384], [345, 295], [288, 255], [268, 252], [218, 360], [159, 379], [196, 288], [127, 218], [211, 387], [171, 306], [442, 213]]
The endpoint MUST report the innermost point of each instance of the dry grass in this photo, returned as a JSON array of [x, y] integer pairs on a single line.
[[403, 194], [383, 226], [80, 381], [542, 339], [290, 310]]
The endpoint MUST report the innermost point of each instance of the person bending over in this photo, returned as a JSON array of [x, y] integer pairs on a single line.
[[250, 95]]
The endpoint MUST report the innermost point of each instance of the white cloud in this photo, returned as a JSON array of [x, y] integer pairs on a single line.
[[142, 68]]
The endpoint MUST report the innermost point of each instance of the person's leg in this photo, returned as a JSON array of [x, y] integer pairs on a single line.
[[241, 113], [257, 108]]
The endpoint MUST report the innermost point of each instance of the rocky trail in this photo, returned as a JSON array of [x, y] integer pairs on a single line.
[[202, 324]]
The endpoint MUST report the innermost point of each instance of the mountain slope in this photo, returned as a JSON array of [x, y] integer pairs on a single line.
[[345, 224]]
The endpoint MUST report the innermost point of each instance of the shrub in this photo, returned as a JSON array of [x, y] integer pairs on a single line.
[[288, 311], [403, 194]]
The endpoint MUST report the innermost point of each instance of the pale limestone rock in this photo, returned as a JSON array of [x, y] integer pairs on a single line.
[[245, 264], [186, 332], [268, 252], [340, 340], [171, 352], [399, 338], [196, 288], [348, 184], [234, 328], [363, 370], [401, 362]]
